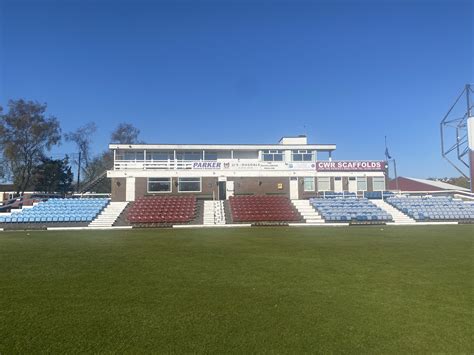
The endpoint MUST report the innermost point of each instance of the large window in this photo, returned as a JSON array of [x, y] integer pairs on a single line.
[[324, 183], [378, 183], [159, 155], [272, 155], [210, 155], [129, 155], [189, 155], [159, 184], [361, 183], [189, 184], [302, 155], [308, 184]]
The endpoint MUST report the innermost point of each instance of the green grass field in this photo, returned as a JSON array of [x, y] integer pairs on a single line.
[[285, 290]]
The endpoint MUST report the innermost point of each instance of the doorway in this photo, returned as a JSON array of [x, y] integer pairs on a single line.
[[222, 190], [352, 184], [294, 193], [338, 184]]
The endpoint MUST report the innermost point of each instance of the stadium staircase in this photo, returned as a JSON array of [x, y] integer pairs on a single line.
[[307, 211], [214, 213], [109, 215], [91, 184], [398, 216]]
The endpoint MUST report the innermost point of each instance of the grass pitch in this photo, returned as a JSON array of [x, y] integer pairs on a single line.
[[285, 290]]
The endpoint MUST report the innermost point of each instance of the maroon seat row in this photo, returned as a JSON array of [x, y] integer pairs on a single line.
[[263, 209], [163, 209]]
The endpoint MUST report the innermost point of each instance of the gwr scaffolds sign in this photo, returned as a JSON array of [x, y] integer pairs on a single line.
[[350, 166]]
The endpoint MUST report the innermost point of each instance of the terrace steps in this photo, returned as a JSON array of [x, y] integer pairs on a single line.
[[398, 216], [214, 213], [109, 215], [309, 214]]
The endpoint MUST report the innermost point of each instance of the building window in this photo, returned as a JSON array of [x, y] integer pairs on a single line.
[[378, 183], [302, 155], [324, 183], [361, 183], [210, 155], [159, 184], [159, 156], [189, 155], [189, 184], [131, 156], [308, 184], [272, 155]]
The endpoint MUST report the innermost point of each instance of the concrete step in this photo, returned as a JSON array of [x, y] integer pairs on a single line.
[[109, 215]]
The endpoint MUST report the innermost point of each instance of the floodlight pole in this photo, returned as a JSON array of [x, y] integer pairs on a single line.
[[395, 172], [468, 100]]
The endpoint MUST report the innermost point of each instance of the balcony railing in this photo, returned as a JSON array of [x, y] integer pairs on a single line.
[[244, 164]]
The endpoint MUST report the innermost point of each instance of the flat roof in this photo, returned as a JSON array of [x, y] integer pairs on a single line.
[[322, 147]]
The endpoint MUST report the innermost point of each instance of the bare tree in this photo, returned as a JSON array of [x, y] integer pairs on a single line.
[[125, 133], [82, 137]]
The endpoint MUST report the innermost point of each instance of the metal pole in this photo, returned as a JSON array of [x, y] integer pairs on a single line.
[[468, 100], [395, 172]]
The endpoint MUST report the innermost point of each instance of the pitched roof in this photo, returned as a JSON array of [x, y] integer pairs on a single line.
[[438, 184]]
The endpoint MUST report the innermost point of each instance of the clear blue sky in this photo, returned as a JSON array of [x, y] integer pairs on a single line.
[[344, 72]]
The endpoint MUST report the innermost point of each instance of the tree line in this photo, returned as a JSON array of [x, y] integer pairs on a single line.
[[28, 134]]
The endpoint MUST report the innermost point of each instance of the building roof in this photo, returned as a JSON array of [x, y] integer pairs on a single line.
[[439, 184], [321, 147], [415, 184], [7, 187]]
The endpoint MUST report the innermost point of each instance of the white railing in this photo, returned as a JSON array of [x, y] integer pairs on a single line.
[[244, 164], [152, 165]]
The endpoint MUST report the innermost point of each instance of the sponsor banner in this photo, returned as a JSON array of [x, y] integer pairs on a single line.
[[350, 165], [212, 165], [301, 166], [250, 165]]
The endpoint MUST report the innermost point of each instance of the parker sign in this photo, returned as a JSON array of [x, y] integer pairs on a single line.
[[350, 165]]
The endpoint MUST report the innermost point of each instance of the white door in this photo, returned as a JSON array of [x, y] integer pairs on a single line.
[[352, 184], [130, 189], [229, 189], [294, 188], [338, 184]]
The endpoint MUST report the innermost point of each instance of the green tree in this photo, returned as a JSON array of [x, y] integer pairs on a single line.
[[25, 136], [53, 175]]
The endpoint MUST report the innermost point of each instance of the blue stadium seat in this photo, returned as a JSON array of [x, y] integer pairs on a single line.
[[59, 210], [433, 208], [345, 209]]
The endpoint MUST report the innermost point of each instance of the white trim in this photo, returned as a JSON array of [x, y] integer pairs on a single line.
[[229, 173], [159, 192], [323, 147]]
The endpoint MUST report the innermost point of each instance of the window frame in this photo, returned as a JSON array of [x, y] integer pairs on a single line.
[[380, 178], [305, 179], [181, 178], [184, 152], [360, 179], [302, 153], [169, 153], [211, 153], [328, 182], [159, 192], [273, 153]]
